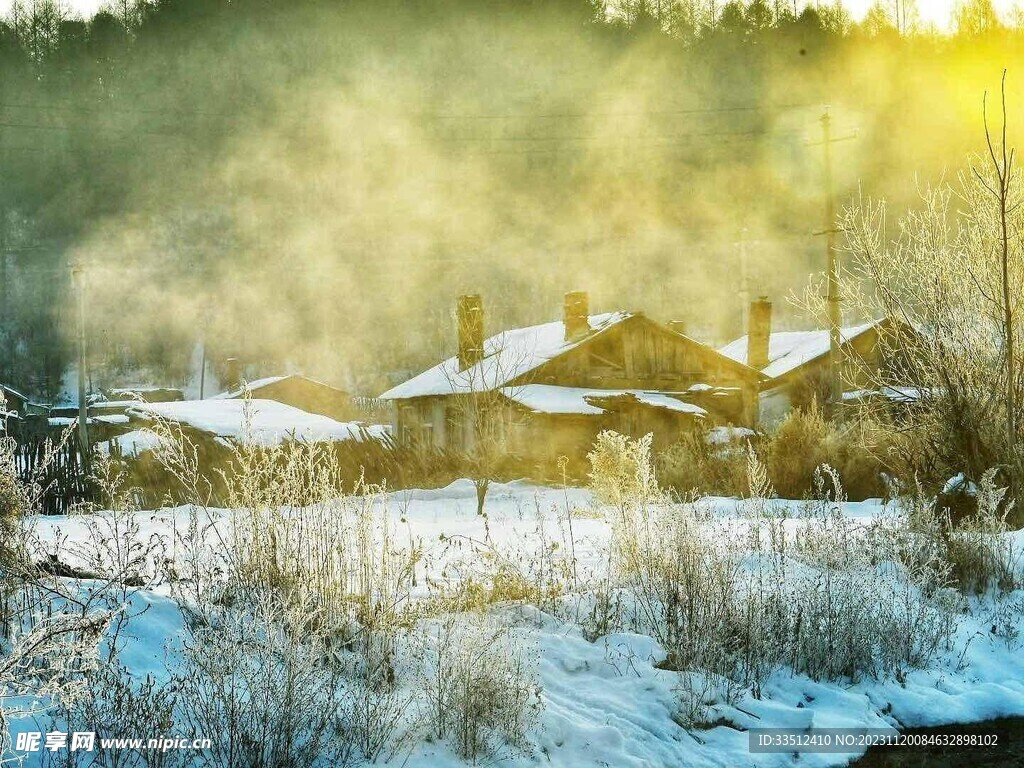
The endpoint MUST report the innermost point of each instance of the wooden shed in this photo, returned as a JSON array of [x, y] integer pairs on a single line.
[[299, 392]]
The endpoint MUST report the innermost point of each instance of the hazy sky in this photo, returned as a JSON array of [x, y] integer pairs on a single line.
[[85, 7], [936, 12]]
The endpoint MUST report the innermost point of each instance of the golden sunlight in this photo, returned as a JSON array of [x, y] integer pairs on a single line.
[[930, 13]]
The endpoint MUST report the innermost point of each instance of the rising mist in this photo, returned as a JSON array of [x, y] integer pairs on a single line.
[[308, 185]]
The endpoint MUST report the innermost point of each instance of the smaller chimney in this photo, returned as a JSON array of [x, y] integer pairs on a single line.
[[232, 374], [575, 315], [759, 332], [469, 316]]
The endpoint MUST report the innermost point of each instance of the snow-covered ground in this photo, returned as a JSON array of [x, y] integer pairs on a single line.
[[605, 703]]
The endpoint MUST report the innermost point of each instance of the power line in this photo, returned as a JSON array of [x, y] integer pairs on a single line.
[[629, 113], [629, 138], [661, 141], [126, 131], [517, 115], [635, 142], [105, 109]]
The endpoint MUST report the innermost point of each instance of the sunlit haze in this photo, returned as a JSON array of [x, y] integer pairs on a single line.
[[931, 12]]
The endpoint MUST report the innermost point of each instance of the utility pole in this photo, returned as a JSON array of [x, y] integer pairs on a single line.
[[78, 276], [835, 363], [202, 371], [744, 280]]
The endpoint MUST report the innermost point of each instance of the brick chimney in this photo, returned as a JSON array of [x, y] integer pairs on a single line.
[[232, 374], [759, 332], [469, 315], [575, 315]]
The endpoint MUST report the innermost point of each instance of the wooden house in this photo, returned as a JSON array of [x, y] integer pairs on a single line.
[[299, 392], [554, 386], [216, 427], [14, 401], [796, 364], [19, 404]]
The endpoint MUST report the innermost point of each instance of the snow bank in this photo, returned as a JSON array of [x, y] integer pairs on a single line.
[[132, 444], [726, 435], [606, 703]]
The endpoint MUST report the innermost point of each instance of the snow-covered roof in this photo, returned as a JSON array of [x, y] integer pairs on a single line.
[[706, 390], [788, 350], [662, 400], [114, 404], [548, 398], [114, 419], [254, 386], [12, 391], [121, 393], [507, 356], [264, 422], [895, 394]]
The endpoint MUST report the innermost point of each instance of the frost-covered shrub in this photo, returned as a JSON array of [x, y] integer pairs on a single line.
[[293, 527], [375, 710], [480, 683], [731, 603], [621, 472], [119, 706], [15, 500], [805, 440], [800, 443], [538, 566], [976, 551], [264, 687], [299, 621], [764, 600], [295, 618], [697, 463], [51, 634], [980, 551], [677, 571], [869, 600]]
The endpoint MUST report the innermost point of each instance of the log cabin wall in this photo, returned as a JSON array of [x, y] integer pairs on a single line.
[[640, 354]]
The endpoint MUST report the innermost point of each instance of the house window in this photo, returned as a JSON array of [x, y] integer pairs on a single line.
[[452, 428]]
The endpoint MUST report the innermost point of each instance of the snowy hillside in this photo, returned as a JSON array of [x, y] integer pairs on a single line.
[[603, 701]]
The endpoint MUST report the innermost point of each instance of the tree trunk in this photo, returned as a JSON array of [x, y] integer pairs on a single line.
[[481, 495]]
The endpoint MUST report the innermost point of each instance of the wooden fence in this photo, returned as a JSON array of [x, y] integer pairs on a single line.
[[51, 461]]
